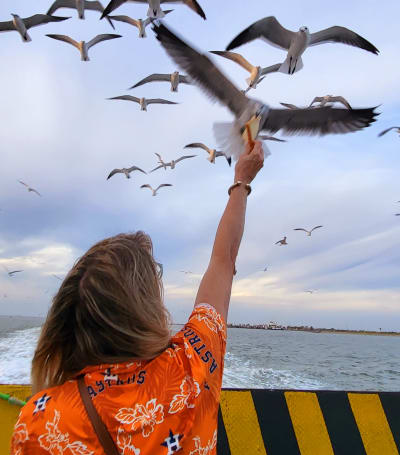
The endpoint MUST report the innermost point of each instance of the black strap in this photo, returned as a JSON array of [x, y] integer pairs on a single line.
[[98, 425]]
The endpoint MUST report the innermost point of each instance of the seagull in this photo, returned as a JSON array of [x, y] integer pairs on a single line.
[[263, 137], [83, 46], [311, 291], [172, 163], [282, 242], [296, 43], [257, 73], [29, 188], [155, 11], [308, 232], [13, 272], [80, 6], [249, 112], [144, 102], [141, 24], [175, 79], [186, 272], [22, 25], [58, 277], [155, 190], [125, 171], [212, 153], [265, 269], [397, 128], [330, 99]]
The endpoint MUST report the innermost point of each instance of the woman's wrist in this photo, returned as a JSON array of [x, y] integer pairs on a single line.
[[238, 185]]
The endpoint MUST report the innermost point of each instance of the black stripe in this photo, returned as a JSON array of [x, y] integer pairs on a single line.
[[222, 441], [275, 423], [391, 406], [342, 428]]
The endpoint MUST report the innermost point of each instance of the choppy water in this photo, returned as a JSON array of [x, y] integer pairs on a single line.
[[265, 359]]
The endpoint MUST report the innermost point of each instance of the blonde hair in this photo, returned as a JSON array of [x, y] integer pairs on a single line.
[[109, 309]]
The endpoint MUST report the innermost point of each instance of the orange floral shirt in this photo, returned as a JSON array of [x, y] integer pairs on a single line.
[[162, 406]]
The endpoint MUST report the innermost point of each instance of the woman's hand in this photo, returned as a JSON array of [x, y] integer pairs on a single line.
[[249, 163]]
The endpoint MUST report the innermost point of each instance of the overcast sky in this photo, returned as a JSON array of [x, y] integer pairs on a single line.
[[60, 135]]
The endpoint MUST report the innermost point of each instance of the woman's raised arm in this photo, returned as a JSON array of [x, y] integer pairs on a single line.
[[215, 287]]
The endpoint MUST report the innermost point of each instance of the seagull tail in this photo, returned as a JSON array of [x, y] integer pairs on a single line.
[[292, 67], [155, 14]]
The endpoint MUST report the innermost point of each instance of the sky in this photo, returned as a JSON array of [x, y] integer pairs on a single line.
[[61, 135]]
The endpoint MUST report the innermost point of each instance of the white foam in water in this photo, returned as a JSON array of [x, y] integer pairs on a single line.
[[239, 373], [16, 352]]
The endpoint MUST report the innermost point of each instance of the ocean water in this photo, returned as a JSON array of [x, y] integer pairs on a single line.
[[261, 359]]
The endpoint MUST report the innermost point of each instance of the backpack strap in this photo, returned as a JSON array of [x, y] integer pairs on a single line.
[[98, 425]]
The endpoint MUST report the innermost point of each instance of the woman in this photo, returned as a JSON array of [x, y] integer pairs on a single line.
[[106, 342]]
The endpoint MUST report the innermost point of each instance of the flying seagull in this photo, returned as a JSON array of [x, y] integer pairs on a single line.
[[264, 137], [80, 6], [308, 232], [265, 269], [22, 25], [257, 73], [282, 242], [155, 190], [311, 291], [141, 24], [29, 188], [125, 171], [397, 128], [172, 163], [175, 79], [83, 46], [12, 272], [144, 102], [323, 100], [155, 11], [292, 106], [212, 153], [257, 115], [296, 43], [186, 272]]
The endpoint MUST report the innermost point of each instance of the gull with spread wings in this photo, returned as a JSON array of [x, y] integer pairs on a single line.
[[175, 79], [30, 189], [249, 112], [397, 128], [295, 43], [323, 100], [306, 231], [83, 46], [257, 73], [143, 102], [23, 25], [172, 163], [11, 273], [141, 24], [80, 6], [282, 242], [212, 153], [125, 171], [154, 191], [155, 11]]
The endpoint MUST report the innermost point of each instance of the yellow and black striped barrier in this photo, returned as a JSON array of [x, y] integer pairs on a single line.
[[284, 422]]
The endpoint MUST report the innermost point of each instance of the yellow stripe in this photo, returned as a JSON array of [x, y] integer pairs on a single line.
[[308, 423], [241, 423], [371, 421]]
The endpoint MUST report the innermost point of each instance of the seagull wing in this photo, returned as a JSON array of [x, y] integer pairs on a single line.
[[97, 6], [15, 271], [114, 4], [340, 99], [163, 184], [23, 183], [316, 227], [153, 78], [202, 71], [324, 120], [237, 58], [317, 99], [113, 172], [184, 158], [103, 37], [147, 186], [264, 137], [61, 4], [126, 98], [158, 167], [126, 19], [35, 191], [158, 156], [197, 145], [184, 79], [289, 106], [135, 168], [228, 158], [387, 130], [268, 29], [192, 4], [159, 101], [66, 39], [279, 241], [300, 229], [6, 26], [39, 19], [270, 69], [343, 35]]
